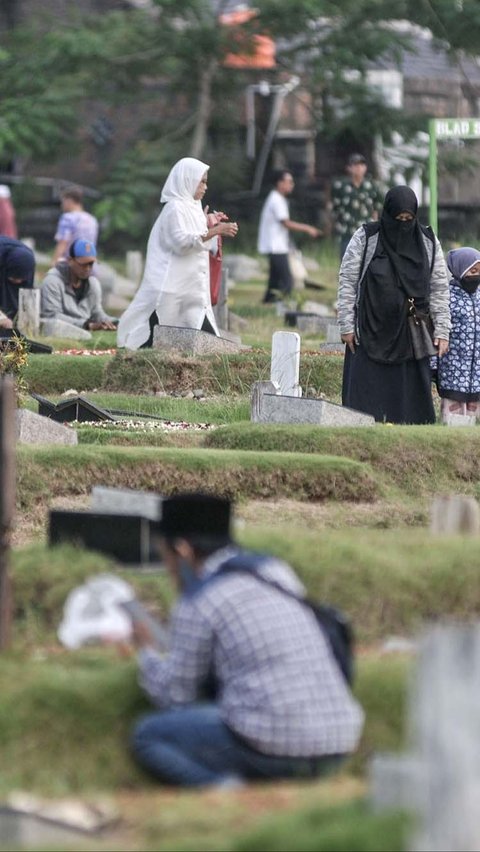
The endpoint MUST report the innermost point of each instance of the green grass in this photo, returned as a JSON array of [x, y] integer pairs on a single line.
[[142, 372], [65, 719], [351, 827], [47, 472], [49, 374], [149, 372], [388, 582], [220, 410], [416, 459]]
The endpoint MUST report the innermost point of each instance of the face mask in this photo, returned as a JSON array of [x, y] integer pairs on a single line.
[[470, 283], [189, 580]]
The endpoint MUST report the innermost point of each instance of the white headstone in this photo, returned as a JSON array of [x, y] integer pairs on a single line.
[[285, 365], [134, 265], [59, 328], [333, 333], [118, 501], [32, 428], [439, 779], [220, 310], [28, 320], [455, 514]]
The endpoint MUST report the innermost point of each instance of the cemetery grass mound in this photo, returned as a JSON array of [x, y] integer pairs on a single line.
[[416, 459], [388, 583], [150, 371], [50, 374], [45, 473], [335, 829], [226, 374]]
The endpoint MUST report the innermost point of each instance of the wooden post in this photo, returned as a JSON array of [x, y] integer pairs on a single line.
[[7, 502]]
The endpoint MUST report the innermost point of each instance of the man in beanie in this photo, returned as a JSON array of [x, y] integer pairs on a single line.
[[356, 199], [249, 688], [72, 294]]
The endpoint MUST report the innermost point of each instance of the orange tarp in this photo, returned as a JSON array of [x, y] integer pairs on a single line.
[[261, 48]]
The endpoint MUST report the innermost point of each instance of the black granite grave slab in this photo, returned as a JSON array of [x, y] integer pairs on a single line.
[[72, 408], [34, 347], [128, 538]]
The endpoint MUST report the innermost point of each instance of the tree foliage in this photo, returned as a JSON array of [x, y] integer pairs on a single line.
[[171, 57]]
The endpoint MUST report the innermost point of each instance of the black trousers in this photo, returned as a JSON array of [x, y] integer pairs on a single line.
[[280, 281]]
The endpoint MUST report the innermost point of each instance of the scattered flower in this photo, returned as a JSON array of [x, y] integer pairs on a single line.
[[146, 426], [85, 352]]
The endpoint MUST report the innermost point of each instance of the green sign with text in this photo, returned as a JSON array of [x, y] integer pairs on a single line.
[[444, 129], [457, 128]]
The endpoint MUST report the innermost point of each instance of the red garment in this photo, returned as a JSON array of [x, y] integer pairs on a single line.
[[8, 225], [216, 272]]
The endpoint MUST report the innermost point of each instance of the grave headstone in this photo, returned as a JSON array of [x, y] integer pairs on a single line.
[[73, 407], [220, 310], [28, 318], [127, 501], [276, 408], [453, 514], [32, 428], [129, 538], [461, 420], [333, 334], [134, 266], [439, 779], [59, 328], [312, 323], [190, 341], [321, 310], [285, 363], [242, 267], [258, 391]]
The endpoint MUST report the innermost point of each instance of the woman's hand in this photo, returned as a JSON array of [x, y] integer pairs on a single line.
[[349, 339], [442, 345], [226, 229], [5, 322]]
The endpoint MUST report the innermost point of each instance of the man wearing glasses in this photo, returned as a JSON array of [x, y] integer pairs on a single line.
[[72, 294]]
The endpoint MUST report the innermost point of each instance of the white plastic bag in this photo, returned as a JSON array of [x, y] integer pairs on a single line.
[[92, 612]]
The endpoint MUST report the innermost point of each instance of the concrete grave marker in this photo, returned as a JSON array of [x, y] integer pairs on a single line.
[[439, 779], [333, 333], [453, 514], [118, 501], [134, 266], [58, 328], [220, 310], [272, 407], [285, 364], [32, 428], [190, 341], [28, 320]]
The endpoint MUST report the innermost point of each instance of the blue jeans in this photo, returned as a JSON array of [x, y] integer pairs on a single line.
[[192, 747]]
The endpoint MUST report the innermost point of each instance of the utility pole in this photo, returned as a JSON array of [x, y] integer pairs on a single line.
[[7, 502]]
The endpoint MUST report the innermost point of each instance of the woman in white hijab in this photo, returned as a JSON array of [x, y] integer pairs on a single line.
[[176, 280]]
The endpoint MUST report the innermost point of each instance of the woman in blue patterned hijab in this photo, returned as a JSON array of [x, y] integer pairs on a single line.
[[459, 370]]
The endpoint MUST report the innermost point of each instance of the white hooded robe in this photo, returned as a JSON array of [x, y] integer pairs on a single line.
[[176, 279]]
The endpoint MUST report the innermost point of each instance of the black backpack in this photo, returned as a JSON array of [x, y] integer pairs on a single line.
[[333, 623]]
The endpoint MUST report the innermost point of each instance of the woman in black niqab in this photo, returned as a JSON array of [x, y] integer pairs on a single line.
[[381, 376], [399, 270], [17, 269]]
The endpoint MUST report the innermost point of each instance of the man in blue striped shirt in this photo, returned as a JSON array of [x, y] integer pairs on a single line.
[[282, 708]]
